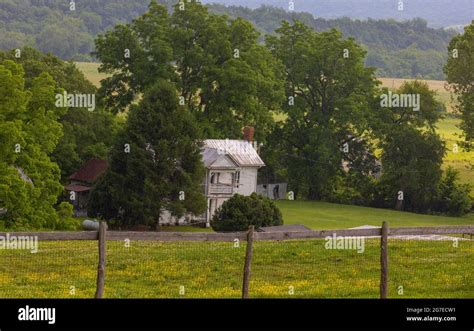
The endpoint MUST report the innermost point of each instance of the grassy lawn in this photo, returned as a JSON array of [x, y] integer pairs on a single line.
[[292, 269], [324, 215]]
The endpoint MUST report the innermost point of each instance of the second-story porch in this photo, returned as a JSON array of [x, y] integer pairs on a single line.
[[223, 182]]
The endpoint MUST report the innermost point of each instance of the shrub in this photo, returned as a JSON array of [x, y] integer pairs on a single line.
[[239, 212], [453, 198], [66, 220]]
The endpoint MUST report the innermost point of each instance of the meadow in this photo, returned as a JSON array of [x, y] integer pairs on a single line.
[[287, 269]]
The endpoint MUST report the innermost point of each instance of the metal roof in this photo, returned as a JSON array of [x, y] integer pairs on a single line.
[[241, 152], [90, 171]]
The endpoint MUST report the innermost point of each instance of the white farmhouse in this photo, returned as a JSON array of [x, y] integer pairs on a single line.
[[231, 167]]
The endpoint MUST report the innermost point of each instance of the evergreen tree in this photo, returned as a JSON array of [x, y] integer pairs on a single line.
[[155, 163]]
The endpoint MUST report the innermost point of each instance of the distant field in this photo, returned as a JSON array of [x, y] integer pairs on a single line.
[[460, 160], [90, 70], [329, 216], [436, 85], [325, 215]]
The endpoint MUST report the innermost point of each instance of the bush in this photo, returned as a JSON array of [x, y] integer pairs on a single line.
[[453, 198], [239, 212], [66, 220]]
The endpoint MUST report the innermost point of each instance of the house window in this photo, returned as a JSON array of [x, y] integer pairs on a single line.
[[236, 178], [215, 177]]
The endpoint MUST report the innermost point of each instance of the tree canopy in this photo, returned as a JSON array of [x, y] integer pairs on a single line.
[[86, 134], [328, 92], [30, 130], [223, 75], [460, 75]]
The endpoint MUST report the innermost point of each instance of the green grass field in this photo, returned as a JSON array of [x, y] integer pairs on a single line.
[[320, 215], [325, 215], [291, 269]]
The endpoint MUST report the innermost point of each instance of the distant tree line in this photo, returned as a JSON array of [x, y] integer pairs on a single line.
[[438, 13], [398, 49]]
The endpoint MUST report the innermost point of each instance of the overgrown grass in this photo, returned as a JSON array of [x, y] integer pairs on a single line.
[[287, 269]]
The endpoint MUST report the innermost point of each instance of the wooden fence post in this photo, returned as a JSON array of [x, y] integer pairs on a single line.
[[101, 268], [384, 261], [248, 262]]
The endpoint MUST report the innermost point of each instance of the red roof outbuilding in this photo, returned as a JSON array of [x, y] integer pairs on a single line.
[[90, 171]]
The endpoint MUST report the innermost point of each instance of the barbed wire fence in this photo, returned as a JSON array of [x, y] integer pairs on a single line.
[[360, 263]]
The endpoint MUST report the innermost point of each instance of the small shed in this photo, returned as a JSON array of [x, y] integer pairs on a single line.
[[274, 191], [81, 183]]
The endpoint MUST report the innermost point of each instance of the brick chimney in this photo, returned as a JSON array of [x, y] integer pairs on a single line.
[[248, 133]]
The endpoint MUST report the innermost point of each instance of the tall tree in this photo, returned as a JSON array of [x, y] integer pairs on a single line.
[[86, 134], [328, 91], [412, 151], [30, 131], [155, 163], [223, 75], [460, 75]]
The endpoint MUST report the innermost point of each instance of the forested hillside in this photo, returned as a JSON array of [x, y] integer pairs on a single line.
[[438, 13], [409, 49]]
